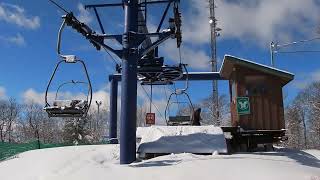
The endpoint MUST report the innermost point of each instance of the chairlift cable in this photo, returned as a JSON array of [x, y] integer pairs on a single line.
[[296, 42], [60, 7], [292, 52], [151, 98], [180, 55], [112, 58], [165, 91], [152, 102], [60, 34]]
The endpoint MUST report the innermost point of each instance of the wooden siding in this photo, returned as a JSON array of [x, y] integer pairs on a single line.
[[266, 106]]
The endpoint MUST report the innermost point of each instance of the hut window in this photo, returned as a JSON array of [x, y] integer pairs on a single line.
[[256, 90]]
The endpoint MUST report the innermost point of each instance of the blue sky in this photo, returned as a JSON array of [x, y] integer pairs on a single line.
[[28, 31]]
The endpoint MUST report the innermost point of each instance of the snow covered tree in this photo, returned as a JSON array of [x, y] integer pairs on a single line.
[[9, 113], [311, 100], [302, 118], [98, 124], [295, 127], [75, 131], [141, 116], [208, 113], [34, 115]]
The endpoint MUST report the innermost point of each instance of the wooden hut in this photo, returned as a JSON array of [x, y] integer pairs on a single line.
[[255, 94]]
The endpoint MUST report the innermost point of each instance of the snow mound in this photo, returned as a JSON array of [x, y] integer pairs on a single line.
[[181, 139], [313, 152], [102, 162]]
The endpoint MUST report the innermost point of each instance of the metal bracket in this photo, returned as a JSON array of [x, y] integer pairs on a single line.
[[162, 37]]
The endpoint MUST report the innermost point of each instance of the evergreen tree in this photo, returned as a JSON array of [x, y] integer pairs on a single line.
[[75, 131]]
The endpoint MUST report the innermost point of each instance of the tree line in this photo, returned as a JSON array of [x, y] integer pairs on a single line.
[[29, 122], [302, 119]]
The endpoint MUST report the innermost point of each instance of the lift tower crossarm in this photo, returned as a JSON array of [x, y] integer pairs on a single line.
[[121, 4]]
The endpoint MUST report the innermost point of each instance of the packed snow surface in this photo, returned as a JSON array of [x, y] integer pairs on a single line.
[[102, 162], [181, 139]]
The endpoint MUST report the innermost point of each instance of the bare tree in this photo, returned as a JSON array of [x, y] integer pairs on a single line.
[[3, 105], [209, 116], [295, 126], [35, 116], [311, 101], [302, 118], [9, 112], [98, 123], [141, 116]]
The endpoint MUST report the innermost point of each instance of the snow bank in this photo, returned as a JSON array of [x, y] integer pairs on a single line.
[[313, 152], [181, 139], [101, 163]]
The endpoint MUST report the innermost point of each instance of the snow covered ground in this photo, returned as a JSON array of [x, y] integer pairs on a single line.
[[102, 162]]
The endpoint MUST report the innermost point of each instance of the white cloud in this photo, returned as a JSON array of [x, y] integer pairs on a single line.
[[14, 14], [3, 93], [84, 15], [102, 96], [31, 96], [16, 40], [194, 57], [254, 22], [261, 21], [315, 76], [304, 79]]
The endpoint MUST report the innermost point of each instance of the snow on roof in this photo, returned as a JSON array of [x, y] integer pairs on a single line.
[[258, 65]]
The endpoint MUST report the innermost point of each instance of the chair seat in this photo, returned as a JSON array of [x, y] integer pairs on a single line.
[[179, 120], [66, 112], [67, 108]]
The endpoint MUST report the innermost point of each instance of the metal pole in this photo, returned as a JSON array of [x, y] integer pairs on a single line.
[[213, 25], [129, 84], [151, 98], [272, 45], [99, 103], [113, 111]]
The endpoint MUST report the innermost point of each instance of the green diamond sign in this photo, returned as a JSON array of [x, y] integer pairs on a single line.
[[243, 105]]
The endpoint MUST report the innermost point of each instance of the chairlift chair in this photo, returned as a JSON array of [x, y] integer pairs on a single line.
[[179, 119], [70, 107]]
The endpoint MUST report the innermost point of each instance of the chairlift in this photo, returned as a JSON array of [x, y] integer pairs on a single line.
[[178, 113], [77, 108], [180, 117], [69, 107]]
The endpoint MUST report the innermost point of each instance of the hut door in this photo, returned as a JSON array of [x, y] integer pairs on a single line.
[[256, 90]]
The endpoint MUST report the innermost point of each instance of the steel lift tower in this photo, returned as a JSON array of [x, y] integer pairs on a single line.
[[214, 34]]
